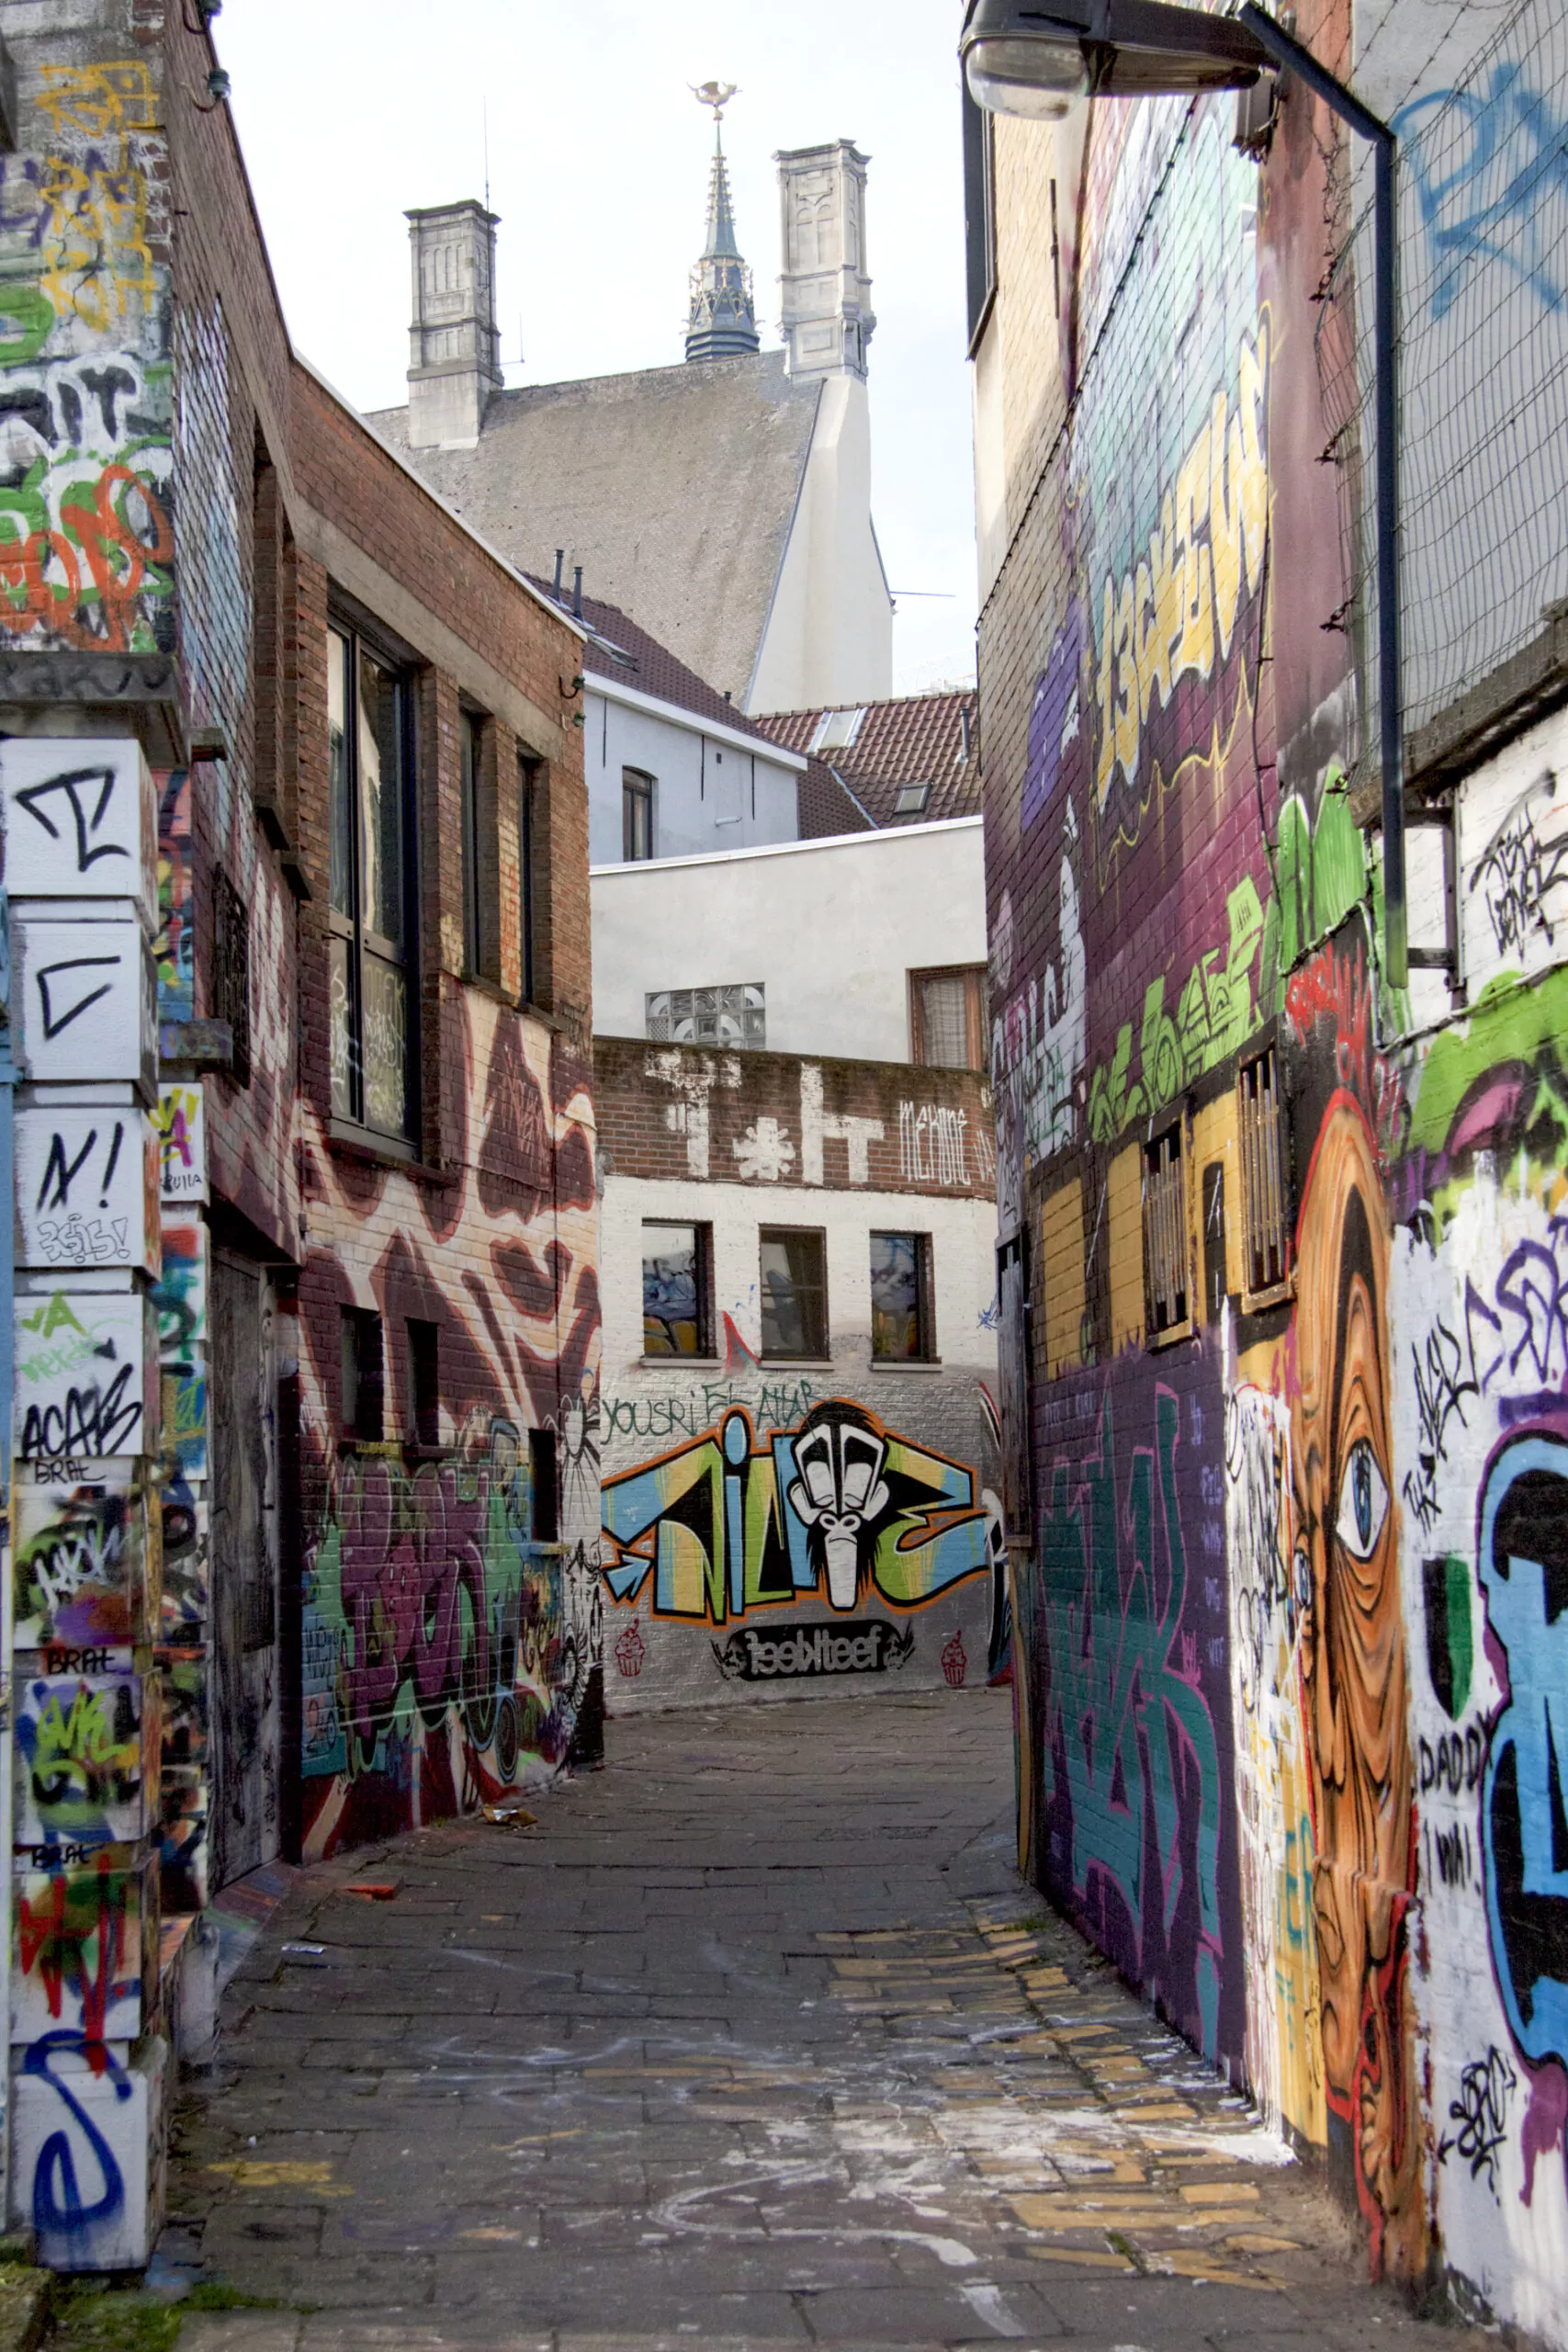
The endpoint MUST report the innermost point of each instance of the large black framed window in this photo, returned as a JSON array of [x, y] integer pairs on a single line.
[[374, 993]]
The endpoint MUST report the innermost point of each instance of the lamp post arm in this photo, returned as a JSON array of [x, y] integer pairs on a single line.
[[1292, 55]]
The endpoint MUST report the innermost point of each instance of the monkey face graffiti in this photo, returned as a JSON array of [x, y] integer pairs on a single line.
[[1352, 1651], [839, 1494]]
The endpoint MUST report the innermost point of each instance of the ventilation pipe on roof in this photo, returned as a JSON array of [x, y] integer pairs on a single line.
[[577, 594], [560, 568]]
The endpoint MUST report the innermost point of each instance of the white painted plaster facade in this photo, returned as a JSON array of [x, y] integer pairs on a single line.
[[832, 929], [715, 788]]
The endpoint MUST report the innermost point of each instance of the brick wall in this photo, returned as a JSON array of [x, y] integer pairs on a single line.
[[764, 1118]]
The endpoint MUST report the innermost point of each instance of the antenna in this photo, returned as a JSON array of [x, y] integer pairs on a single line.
[[484, 119]]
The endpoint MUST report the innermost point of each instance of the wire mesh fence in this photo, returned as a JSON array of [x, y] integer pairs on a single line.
[[1482, 373]]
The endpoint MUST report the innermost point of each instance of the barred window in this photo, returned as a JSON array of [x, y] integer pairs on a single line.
[[734, 1015], [1266, 1237], [1166, 1247]]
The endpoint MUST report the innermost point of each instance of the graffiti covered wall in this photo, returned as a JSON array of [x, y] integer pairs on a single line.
[[777, 1524], [451, 1638], [1289, 1554]]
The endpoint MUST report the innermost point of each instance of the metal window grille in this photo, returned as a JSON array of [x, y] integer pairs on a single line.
[[231, 970], [1166, 1248], [1263, 1197], [734, 1016]]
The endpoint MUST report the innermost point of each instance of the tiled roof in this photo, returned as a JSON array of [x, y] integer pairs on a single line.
[[827, 807], [674, 488], [914, 739], [651, 667]]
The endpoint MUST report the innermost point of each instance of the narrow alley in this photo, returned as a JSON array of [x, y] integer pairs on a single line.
[[756, 2038]]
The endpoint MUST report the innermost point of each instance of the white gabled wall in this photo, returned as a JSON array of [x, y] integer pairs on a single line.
[[829, 634]]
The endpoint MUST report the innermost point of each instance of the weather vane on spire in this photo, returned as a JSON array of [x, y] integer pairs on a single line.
[[716, 95]]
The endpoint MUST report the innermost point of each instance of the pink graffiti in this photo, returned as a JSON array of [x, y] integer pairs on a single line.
[[410, 1550]]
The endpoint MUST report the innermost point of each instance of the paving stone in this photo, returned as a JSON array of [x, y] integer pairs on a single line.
[[756, 2040], [241, 2331]]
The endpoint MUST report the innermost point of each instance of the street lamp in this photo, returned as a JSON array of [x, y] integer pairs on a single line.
[[1036, 60]]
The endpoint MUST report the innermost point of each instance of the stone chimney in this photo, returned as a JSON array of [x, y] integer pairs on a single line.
[[828, 318], [454, 346]]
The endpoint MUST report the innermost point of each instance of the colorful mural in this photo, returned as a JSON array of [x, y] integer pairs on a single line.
[[1289, 1568], [834, 1508], [452, 1646], [1132, 1717]]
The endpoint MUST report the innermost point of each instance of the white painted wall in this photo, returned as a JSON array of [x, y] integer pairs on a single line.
[[714, 788], [830, 633], [964, 1269], [1513, 856], [832, 929]]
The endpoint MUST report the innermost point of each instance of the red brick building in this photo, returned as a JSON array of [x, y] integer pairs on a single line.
[[321, 841]]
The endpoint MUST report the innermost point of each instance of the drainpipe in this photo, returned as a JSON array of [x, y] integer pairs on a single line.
[[1292, 55]]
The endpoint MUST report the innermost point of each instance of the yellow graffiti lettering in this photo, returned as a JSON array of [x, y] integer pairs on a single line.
[[1175, 613], [1197, 651], [95, 101]]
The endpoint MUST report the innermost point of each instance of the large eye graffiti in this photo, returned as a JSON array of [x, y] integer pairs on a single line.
[[1363, 1502]]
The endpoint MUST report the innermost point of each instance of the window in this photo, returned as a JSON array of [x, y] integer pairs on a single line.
[[424, 1419], [637, 815], [900, 1298], [837, 731], [979, 213], [676, 1289], [1167, 1253], [372, 882], [948, 1017], [362, 1375], [525, 787], [471, 847], [544, 1488], [911, 799], [1266, 1238], [736, 1015], [793, 1269]]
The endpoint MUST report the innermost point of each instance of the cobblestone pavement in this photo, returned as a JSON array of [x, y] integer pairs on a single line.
[[755, 2040]]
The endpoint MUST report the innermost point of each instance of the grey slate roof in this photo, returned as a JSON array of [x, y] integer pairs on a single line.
[[674, 488]]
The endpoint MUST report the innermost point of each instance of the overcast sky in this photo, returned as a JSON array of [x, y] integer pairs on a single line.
[[350, 110]]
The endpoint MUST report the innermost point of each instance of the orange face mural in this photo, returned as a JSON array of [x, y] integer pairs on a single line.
[[1353, 1670]]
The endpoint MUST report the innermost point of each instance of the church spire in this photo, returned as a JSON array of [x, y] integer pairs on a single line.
[[722, 322]]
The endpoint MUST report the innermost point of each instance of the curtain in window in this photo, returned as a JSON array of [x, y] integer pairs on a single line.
[[944, 1022]]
